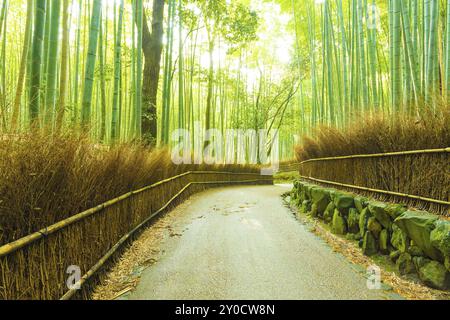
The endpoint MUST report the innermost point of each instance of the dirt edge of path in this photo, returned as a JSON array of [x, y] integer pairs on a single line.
[[142, 253]]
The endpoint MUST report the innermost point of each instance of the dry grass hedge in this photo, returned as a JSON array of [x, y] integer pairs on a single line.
[[425, 175], [45, 179], [378, 133]]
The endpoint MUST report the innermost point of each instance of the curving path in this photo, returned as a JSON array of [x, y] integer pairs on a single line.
[[243, 243]]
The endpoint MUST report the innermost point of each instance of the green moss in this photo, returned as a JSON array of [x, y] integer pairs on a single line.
[[418, 227]]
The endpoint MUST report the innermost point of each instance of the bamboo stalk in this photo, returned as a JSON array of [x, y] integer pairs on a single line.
[[404, 195]]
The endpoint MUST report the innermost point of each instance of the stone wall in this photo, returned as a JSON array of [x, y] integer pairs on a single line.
[[417, 241]]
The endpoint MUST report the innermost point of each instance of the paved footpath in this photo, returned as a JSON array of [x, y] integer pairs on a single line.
[[243, 243]]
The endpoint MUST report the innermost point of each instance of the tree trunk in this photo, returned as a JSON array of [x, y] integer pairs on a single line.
[[152, 46]]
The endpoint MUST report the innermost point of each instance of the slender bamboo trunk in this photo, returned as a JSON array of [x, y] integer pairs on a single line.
[[432, 63], [53, 43], [35, 81], [90, 63], [102, 60], [167, 76], [447, 55], [181, 121], [115, 128], [63, 81], [22, 68], [76, 107], [138, 106], [396, 56]]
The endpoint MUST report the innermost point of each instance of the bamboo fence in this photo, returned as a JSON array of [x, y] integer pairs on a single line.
[[418, 178], [34, 267]]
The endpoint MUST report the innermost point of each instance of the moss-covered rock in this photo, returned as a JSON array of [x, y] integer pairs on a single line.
[[369, 244], [314, 212], [418, 227], [353, 236], [395, 210], [295, 199], [339, 225], [306, 206], [360, 203], [405, 264], [399, 239], [361, 243], [433, 274], [307, 190], [378, 210], [394, 255], [415, 251], [320, 197], [363, 219], [301, 194], [374, 226], [419, 262], [343, 200], [384, 241], [353, 221], [440, 238], [329, 212]]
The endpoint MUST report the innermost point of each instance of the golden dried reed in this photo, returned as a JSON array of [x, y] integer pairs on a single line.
[[424, 175], [45, 179]]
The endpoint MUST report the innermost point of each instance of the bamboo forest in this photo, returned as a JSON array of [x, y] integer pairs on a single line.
[[132, 70], [115, 111]]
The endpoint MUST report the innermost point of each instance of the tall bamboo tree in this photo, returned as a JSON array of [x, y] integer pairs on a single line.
[[23, 66], [447, 55], [35, 81], [63, 80], [102, 61], [138, 106], [396, 55], [90, 63], [52, 64], [167, 75], [115, 129]]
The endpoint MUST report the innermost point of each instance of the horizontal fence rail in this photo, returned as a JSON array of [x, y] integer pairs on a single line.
[[420, 178], [34, 267], [404, 195], [380, 155]]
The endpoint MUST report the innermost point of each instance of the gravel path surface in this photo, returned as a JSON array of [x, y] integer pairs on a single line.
[[243, 243]]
